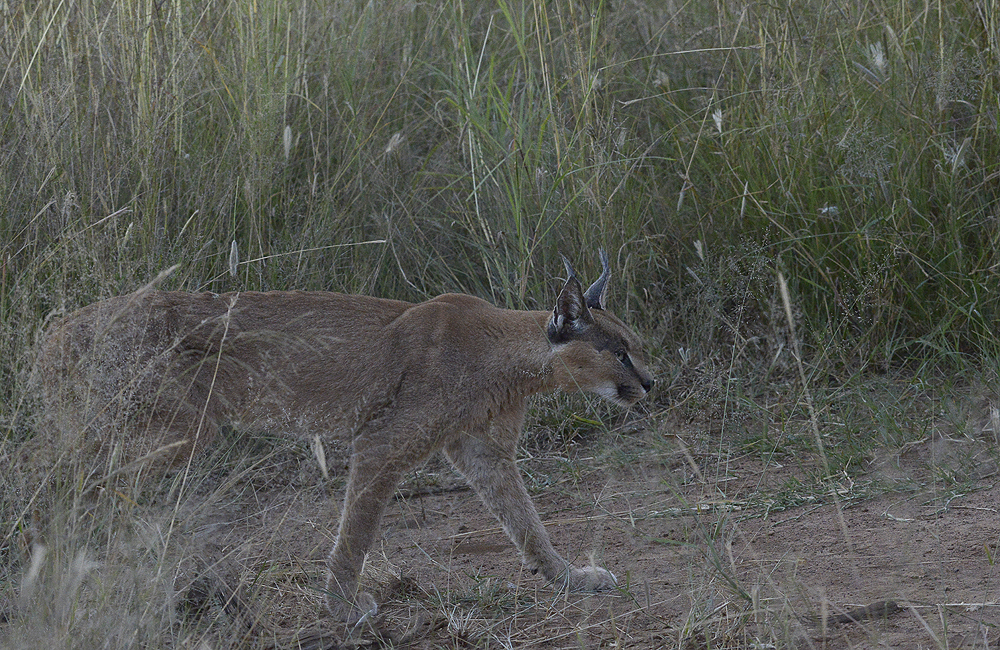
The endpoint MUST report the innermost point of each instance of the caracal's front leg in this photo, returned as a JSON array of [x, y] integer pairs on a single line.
[[492, 472], [384, 450], [368, 490]]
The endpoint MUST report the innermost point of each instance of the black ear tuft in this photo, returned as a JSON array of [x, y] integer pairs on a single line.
[[597, 294], [570, 273], [570, 316]]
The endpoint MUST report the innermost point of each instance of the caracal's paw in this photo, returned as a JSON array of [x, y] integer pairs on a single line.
[[351, 613], [590, 578]]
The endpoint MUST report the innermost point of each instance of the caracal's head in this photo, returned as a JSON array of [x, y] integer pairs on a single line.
[[594, 350]]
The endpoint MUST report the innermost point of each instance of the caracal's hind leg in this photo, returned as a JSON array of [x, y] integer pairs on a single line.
[[171, 436], [489, 467], [175, 412]]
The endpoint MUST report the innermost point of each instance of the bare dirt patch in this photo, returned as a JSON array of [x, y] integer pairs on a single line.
[[713, 547]]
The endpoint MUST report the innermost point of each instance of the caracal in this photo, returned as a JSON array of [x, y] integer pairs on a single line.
[[150, 377]]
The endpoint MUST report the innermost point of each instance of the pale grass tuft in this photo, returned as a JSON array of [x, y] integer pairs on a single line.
[[320, 453], [876, 54], [234, 259], [994, 419], [286, 140], [395, 142], [29, 582]]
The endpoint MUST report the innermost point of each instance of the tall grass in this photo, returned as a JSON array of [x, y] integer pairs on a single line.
[[854, 148]]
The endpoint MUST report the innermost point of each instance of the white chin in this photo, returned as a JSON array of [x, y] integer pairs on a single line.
[[611, 394]]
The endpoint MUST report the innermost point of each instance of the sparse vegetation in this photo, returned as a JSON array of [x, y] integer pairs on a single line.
[[405, 149]]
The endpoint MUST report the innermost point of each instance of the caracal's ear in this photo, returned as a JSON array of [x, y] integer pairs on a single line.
[[570, 315], [597, 294]]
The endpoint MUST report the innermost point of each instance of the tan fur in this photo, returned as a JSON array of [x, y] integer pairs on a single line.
[[152, 376]]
